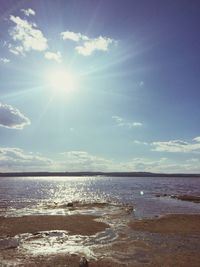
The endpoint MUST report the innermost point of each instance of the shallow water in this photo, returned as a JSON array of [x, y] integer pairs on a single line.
[[19, 195]]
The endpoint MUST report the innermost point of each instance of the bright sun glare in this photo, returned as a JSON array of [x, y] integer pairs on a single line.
[[60, 80]]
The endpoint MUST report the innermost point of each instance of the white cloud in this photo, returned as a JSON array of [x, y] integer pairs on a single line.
[[121, 122], [16, 50], [4, 60], [146, 165], [83, 161], [28, 12], [87, 46], [161, 165], [136, 124], [197, 139], [27, 36], [73, 36], [53, 56], [11, 117], [92, 45], [118, 120], [16, 159], [195, 160], [177, 146]]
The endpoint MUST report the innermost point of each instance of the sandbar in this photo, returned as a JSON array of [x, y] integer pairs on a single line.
[[74, 224]]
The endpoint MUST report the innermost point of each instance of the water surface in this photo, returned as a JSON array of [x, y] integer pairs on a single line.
[[19, 194]]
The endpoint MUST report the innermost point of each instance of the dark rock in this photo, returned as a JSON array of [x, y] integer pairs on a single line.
[[162, 195], [70, 204], [83, 262]]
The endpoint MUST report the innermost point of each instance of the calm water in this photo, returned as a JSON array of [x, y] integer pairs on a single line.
[[31, 194]]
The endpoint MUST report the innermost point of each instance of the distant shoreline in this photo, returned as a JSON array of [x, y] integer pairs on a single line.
[[109, 174]]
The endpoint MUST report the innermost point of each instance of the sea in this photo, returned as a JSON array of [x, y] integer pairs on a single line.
[[149, 196]]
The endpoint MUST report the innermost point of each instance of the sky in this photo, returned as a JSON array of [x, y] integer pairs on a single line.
[[100, 85]]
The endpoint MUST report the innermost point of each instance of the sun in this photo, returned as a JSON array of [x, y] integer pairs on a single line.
[[60, 80]]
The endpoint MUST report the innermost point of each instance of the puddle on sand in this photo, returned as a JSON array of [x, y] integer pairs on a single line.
[[44, 243], [54, 242], [8, 243]]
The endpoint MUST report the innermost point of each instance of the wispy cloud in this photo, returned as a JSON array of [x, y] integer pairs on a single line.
[[162, 165], [27, 37], [28, 12], [56, 56], [84, 161], [177, 146], [16, 159], [121, 122], [16, 49], [197, 139], [4, 60], [137, 142], [146, 165], [11, 117], [135, 124], [87, 46]]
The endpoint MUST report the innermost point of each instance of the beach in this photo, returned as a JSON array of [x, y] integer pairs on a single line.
[[170, 240], [99, 133], [75, 224], [134, 222]]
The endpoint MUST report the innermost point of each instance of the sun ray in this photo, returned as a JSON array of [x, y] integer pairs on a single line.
[[21, 93]]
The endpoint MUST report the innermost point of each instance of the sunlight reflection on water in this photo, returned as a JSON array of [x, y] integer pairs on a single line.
[[25, 193]]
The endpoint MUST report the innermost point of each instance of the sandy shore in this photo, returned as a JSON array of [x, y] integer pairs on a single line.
[[75, 224], [171, 240], [173, 223]]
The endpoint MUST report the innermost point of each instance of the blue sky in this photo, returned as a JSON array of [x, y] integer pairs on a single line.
[[100, 85]]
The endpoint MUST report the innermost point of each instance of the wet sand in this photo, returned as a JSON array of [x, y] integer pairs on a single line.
[[173, 223], [171, 240], [74, 224]]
